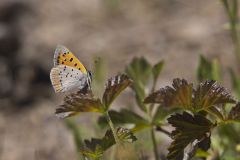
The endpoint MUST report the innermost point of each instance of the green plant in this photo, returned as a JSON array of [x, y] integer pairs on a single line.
[[202, 111], [79, 102], [198, 114], [208, 69], [231, 8], [143, 74], [224, 139]]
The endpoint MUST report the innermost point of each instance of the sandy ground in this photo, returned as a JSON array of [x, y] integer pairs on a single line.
[[176, 31]]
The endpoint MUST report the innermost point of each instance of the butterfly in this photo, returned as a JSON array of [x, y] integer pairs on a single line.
[[68, 72]]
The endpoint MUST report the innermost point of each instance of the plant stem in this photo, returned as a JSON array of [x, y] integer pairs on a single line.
[[159, 128], [112, 127], [232, 13], [154, 143], [149, 111]]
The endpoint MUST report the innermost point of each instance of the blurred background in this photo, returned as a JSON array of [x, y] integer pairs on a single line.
[[176, 31]]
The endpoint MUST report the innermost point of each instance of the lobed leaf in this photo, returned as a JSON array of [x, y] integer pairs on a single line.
[[180, 95], [214, 111], [77, 103], [188, 128], [210, 93], [114, 87], [125, 135], [94, 148]]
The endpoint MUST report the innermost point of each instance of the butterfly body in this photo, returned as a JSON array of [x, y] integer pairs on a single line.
[[68, 72]]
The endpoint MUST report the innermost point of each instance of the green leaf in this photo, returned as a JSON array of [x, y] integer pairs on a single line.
[[202, 154], [188, 128], [234, 113], [139, 95], [77, 103], [183, 95], [208, 70], [210, 93], [180, 95], [204, 69], [125, 116], [114, 87], [140, 71], [216, 70], [161, 113], [157, 68], [214, 111], [95, 148], [235, 82], [125, 135], [99, 70]]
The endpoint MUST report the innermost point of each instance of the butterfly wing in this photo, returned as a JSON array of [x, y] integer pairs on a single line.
[[65, 78], [64, 56]]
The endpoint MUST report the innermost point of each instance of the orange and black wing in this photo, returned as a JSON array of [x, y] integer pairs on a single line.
[[64, 56]]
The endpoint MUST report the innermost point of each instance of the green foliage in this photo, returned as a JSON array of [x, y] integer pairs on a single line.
[[235, 82], [203, 108], [199, 109], [210, 93], [161, 114], [231, 8], [140, 71], [86, 102], [99, 76], [114, 87], [123, 117], [225, 138], [77, 103], [180, 95], [183, 95], [156, 70], [187, 129], [95, 148], [208, 70], [207, 99]]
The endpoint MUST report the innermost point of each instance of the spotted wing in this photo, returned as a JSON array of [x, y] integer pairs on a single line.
[[64, 56], [65, 78]]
